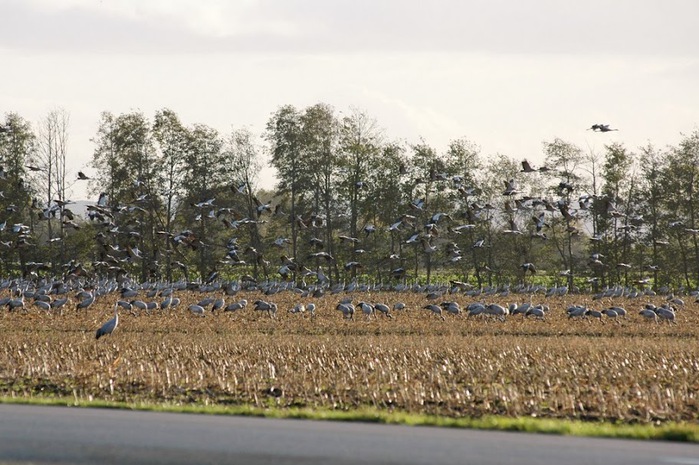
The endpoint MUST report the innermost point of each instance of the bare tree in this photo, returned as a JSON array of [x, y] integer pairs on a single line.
[[50, 180], [242, 161]]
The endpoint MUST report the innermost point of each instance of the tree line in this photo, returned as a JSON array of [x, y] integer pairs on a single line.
[[175, 201]]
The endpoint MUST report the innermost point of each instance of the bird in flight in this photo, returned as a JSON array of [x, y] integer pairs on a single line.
[[527, 167], [82, 176], [528, 267], [510, 188], [601, 128]]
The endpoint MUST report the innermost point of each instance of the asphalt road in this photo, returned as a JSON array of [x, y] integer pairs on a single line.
[[33, 434]]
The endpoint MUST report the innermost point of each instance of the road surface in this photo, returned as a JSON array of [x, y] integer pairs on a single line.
[[35, 434]]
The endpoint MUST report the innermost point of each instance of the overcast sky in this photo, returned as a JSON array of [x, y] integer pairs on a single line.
[[507, 75]]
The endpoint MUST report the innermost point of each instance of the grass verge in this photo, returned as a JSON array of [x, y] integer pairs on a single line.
[[671, 431]]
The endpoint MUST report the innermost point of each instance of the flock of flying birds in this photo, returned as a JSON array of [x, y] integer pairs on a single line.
[[427, 236], [130, 301]]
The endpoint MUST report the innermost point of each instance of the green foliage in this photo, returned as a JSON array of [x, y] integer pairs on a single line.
[[17, 147], [408, 207]]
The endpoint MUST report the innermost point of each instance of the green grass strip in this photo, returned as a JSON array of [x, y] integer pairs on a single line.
[[671, 431]]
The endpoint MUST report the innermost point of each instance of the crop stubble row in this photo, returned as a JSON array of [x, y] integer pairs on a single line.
[[632, 371]]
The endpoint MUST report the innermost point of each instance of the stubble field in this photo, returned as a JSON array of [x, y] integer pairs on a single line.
[[627, 371]]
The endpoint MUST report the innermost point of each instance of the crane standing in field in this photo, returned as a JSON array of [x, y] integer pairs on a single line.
[[109, 326]]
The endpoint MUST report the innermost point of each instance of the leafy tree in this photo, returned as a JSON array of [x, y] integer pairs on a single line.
[[652, 165], [17, 146], [320, 154], [242, 164], [171, 137], [680, 180], [463, 166], [428, 176], [203, 180], [284, 137], [504, 224], [385, 204], [566, 159], [614, 210], [360, 149], [126, 161]]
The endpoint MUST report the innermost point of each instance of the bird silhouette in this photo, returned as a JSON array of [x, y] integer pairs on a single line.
[[528, 267], [601, 128], [527, 167], [82, 176], [510, 188], [539, 221]]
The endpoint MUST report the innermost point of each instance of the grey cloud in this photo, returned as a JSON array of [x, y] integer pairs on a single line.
[[623, 27], [78, 30]]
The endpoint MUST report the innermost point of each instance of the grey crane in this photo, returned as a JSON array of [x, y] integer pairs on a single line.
[[610, 312], [42, 305], [475, 308], [17, 302], [167, 302], [601, 128], [196, 309], [620, 311], [576, 311], [649, 314], [59, 303], [434, 309], [527, 167], [510, 188], [124, 304], [666, 313], [205, 302], [235, 306], [516, 309], [347, 310], [311, 308], [109, 326], [298, 308], [218, 304], [384, 309], [497, 310], [139, 304], [528, 267], [264, 306], [367, 309], [591, 312], [451, 307], [536, 311]]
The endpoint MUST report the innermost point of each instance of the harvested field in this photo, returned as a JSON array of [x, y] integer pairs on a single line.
[[630, 370]]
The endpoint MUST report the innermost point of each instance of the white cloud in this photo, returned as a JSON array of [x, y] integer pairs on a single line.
[[507, 75], [594, 27], [205, 18]]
